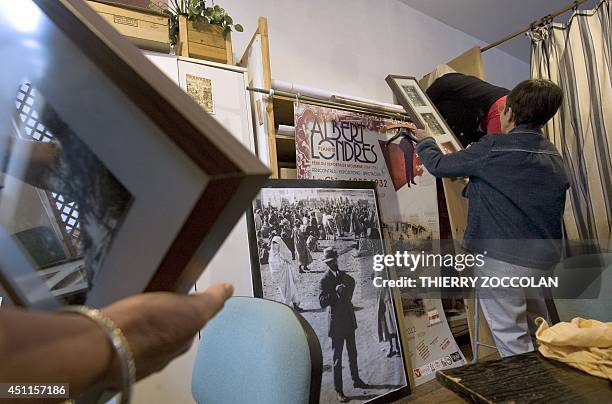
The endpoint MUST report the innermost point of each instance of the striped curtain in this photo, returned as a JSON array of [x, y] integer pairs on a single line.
[[576, 56]]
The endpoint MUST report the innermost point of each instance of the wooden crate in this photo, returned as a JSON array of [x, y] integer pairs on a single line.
[[147, 29], [204, 41]]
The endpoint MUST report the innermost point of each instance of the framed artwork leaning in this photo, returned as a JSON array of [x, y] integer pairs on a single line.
[[312, 248], [420, 108], [113, 181]]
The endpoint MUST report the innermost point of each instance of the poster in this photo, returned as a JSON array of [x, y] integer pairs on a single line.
[[362, 357], [432, 345], [341, 145]]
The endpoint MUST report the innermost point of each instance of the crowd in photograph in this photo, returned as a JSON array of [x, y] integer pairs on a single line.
[[301, 227]]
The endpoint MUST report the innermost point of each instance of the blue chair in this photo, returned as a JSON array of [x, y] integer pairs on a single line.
[[257, 351]]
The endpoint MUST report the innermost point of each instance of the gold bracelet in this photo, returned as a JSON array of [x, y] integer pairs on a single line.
[[119, 343]]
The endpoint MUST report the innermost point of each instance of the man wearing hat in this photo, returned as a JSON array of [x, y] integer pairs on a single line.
[[336, 292]]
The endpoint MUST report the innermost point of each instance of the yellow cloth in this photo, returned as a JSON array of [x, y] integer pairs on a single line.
[[583, 344]]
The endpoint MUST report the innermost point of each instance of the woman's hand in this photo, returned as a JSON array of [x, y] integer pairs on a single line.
[[44, 347], [421, 134], [160, 326]]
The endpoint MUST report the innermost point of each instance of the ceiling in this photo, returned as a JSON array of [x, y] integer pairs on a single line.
[[490, 20]]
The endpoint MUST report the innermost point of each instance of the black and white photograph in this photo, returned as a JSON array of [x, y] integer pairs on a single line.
[[315, 243], [59, 203], [413, 95], [433, 124]]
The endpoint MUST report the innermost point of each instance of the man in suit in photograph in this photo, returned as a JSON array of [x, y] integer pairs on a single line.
[[336, 292]]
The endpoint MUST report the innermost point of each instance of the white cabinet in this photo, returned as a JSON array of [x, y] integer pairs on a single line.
[[164, 62], [231, 107]]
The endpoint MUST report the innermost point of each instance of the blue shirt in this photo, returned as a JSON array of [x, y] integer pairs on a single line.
[[516, 194]]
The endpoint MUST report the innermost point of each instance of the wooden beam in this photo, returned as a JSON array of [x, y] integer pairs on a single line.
[[228, 49], [183, 42], [267, 72]]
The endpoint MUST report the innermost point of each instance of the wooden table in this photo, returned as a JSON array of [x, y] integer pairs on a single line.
[[526, 378]]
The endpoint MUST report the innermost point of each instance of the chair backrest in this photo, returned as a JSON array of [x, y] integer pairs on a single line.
[[257, 351]]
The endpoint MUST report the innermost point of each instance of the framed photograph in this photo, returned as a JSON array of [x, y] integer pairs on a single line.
[[312, 245], [113, 181], [435, 126], [422, 111], [413, 93]]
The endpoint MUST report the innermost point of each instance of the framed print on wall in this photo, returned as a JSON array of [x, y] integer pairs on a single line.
[[312, 245], [113, 181], [420, 108]]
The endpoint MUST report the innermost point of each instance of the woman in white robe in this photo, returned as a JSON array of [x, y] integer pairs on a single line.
[[280, 262]]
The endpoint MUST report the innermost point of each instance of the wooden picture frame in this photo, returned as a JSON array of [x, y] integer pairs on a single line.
[[186, 180], [418, 105], [308, 193]]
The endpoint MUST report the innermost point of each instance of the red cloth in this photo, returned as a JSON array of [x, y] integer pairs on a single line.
[[394, 159], [491, 122], [396, 164]]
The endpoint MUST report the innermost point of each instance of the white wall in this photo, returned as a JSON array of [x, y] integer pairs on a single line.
[[349, 46]]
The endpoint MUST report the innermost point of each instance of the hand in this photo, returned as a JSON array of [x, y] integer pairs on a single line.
[[421, 134], [160, 326], [340, 288]]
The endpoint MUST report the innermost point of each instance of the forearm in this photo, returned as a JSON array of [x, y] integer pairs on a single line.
[[433, 159], [44, 347]]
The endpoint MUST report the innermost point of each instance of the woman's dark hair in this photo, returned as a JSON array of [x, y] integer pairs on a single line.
[[534, 102]]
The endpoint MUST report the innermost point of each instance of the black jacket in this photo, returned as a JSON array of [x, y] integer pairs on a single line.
[[463, 101], [516, 194], [342, 319]]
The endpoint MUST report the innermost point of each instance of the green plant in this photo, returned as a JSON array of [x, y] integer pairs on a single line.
[[198, 11]]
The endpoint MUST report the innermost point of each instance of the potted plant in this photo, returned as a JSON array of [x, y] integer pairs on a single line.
[[201, 29]]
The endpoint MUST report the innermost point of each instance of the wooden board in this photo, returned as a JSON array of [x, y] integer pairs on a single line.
[[469, 62], [146, 29], [256, 59], [211, 35], [207, 52], [526, 378], [265, 52]]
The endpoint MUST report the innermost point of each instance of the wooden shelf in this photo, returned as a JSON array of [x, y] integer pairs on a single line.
[[283, 111], [285, 149], [285, 144]]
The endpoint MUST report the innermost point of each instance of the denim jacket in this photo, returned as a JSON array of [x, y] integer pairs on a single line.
[[516, 194]]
